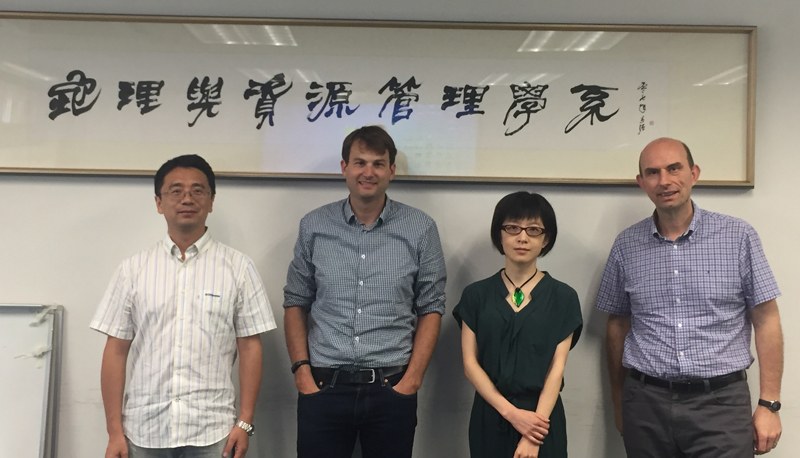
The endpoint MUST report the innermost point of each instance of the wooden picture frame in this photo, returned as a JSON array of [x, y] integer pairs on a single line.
[[535, 103]]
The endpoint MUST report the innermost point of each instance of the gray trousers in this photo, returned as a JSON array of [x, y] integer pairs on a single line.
[[209, 451], [660, 423]]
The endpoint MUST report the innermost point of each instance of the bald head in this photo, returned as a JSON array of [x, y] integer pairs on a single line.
[[662, 143], [667, 174]]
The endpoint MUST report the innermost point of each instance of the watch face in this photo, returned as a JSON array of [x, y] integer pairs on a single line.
[[771, 405]]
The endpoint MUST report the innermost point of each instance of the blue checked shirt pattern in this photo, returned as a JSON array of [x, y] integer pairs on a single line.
[[687, 299], [183, 317], [365, 286]]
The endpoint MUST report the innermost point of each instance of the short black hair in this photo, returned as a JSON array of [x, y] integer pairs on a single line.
[[374, 138], [520, 206], [189, 161]]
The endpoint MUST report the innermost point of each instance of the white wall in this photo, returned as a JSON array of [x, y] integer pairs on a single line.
[[61, 237]]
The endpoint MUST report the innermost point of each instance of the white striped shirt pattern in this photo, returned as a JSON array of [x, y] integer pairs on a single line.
[[183, 318]]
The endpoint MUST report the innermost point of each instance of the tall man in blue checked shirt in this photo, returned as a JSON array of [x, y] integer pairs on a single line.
[[682, 288], [182, 310], [363, 305]]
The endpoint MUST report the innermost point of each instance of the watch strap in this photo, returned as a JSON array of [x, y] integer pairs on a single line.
[[297, 365], [774, 406], [247, 427]]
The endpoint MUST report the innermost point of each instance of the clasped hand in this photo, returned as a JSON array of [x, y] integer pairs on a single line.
[[531, 425], [526, 449]]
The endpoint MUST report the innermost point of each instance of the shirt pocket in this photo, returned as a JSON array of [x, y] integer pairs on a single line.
[[216, 312]]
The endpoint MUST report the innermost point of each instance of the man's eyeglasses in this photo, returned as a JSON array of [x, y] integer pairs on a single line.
[[532, 231], [178, 193]]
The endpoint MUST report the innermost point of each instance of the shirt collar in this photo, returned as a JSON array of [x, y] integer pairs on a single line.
[[350, 216], [695, 224], [196, 248]]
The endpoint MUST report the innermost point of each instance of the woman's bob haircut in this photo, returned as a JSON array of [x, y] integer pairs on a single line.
[[521, 206]]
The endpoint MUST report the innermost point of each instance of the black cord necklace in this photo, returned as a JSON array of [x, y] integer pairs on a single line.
[[519, 296]]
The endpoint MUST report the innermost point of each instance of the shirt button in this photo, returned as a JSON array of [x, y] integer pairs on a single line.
[[361, 283], [356, 338], [676, 272], [359, 310], [681, 353], [680, 326], [675, 247], [678, 300], [363, 256]]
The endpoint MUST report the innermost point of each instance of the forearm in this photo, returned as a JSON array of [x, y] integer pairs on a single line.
[[295, 323], [552, 381], [485, 388], [424, 343], [769, 348], [250, 366], [112, 382], [770, 362], [617, 329]]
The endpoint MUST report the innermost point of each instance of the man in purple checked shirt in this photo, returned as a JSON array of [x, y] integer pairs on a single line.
[[682, 288]]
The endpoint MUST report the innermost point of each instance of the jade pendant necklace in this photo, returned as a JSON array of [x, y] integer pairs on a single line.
[[519, 296]]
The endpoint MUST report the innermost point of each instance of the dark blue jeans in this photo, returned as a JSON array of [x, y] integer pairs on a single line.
[[329, 421]]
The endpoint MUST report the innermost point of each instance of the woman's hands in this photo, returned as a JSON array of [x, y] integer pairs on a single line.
[[526, 449], [531, 425]]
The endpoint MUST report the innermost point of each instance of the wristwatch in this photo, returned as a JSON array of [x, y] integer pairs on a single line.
[[247, 427], [774, 406]]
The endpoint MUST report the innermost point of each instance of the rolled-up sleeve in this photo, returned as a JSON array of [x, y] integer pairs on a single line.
[[301, 287], [429, 296]]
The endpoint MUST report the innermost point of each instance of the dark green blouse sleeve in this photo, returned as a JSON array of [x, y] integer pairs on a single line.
[[466, 310], [573, 321]]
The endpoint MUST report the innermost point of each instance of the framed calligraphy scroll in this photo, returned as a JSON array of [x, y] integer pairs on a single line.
[[97, 94]]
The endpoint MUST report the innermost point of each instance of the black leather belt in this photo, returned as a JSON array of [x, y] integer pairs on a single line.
[[326, 375], [691, 386]]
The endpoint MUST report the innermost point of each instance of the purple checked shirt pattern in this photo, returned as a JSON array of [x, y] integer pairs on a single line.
[[688, 299]]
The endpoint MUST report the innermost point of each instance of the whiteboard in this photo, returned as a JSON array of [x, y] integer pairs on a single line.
[[30, 355]]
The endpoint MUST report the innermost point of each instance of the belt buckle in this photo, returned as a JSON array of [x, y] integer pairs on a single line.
[[372, 371]]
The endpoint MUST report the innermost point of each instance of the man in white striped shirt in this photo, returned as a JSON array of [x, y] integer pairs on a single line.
[[182, 310]]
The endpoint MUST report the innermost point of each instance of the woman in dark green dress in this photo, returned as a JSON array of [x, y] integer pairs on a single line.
[[517, 328]]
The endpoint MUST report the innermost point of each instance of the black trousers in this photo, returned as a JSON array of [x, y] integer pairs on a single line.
[[660, 423], [329, 421]]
